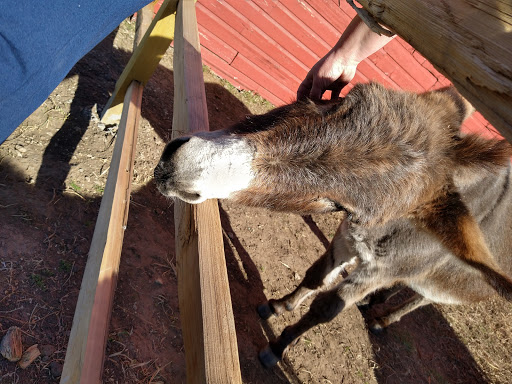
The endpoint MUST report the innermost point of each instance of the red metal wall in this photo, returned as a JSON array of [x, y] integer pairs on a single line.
[[268, 46]]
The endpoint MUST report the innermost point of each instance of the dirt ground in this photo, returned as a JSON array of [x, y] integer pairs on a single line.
[[53, 170]]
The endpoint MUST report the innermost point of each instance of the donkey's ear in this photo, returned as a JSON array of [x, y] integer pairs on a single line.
[[474, 153], [464, 107]]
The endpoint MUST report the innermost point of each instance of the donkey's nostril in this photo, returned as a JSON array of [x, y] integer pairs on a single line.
[[191, 197], [172, 147]]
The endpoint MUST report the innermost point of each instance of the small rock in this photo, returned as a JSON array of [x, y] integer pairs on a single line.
[[20, 148], [159, 281], [29, 356], [55, 369], [11, 347], [46, 351], [296, 276]]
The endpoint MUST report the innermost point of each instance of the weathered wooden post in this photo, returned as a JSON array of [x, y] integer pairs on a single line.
[[86, 346], [470, 42], [205, 303]]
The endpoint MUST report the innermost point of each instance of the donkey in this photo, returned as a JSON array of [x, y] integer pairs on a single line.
[[426, 206]]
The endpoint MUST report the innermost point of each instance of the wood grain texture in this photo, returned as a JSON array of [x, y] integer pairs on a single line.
[[144, 59], [205, 304], [86, 346], [469, 41]]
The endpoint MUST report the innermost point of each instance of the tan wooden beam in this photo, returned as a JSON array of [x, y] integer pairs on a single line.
[[144, 59], [86, 346], [469, 41], [205, 304]]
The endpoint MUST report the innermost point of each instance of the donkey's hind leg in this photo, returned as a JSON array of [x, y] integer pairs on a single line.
[[318, 277], [325, 307], [395, 313], [379, 297]]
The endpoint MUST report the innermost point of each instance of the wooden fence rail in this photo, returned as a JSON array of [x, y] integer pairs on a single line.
[[203, 289], [205, 302]]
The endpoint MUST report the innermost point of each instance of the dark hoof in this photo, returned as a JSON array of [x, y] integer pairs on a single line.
[[267, 358], [265, 311], [377, 328]]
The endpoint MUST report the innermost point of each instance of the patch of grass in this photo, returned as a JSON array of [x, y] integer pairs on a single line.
[[74, 186], [123, 333], [47, 273], [99, 189], [38, 280], [65, 266]]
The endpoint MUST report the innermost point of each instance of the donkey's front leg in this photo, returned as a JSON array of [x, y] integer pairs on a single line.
[[318, 277], [324, 308]]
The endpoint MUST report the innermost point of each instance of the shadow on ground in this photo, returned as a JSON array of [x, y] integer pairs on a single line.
[[46, 229]]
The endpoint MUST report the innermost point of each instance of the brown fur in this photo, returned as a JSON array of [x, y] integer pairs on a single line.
[[386, 155], [417, 193], [393, 155]]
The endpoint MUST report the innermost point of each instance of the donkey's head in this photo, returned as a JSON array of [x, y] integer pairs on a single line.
[[377, 154]]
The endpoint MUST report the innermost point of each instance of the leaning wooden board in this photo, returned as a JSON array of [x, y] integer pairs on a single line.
[[469, 41], [206, 313], [86, 346], [144, 60]]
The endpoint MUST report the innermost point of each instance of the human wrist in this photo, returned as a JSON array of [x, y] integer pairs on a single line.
[[345, 57]]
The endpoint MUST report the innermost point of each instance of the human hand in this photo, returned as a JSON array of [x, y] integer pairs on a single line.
[[332, 73]]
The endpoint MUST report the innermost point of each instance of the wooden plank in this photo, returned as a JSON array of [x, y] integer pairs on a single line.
[[237, 78], [466, 40], [285, 92], [86, 346], [145, 17], [144, 59], [252, 42], [277, 38], [84, 355], [208, 327]]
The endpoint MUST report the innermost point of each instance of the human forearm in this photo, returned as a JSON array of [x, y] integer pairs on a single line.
[[358, 42], [338, 67]]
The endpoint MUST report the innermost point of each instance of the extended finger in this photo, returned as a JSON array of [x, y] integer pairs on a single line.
[[316, 91], [336, 90], [304, 89]]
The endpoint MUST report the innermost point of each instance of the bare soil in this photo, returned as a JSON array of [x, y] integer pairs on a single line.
[[53, 170]]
